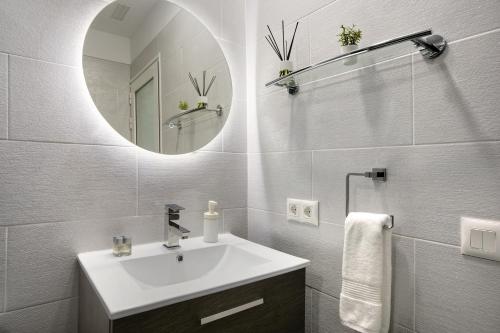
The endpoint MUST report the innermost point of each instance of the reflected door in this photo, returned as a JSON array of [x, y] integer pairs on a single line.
[[146, 109]]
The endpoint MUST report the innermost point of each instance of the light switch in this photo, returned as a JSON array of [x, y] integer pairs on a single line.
[[479, 238], [489, 241], [476, 239]]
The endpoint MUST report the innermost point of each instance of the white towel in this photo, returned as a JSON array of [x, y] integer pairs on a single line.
[[365, 300]]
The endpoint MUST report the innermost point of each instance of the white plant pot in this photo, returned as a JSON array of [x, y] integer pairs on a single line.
[[286, 66], [346, 49], [203, 99]]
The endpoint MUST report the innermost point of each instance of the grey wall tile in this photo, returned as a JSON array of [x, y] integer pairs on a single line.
[[456, 95], [42, 265], [4, 92], [450, 18], [455, 293], [308, 304], [56, 317], [402, 281], [50, 102], [363, 108], [191, 180], [47, 29], [274, 177], [325, 318], [3, 265], [322, 245], [59, 182], [428, 189], [235, 222]]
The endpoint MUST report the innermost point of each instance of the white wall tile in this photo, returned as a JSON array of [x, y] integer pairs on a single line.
[[455, 293], [235, 221], [236, 59], [456, 96], [4, 80], [428, 188], [49, 269], [322, 245], [382, 20], [51, 102], [368, 107], [191, 180], [57, 317], [59, 182], [235, 129], [274, 177], [233, 13], [48, 30]]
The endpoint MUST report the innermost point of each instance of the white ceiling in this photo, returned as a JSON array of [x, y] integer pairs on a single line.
[[133, 20]]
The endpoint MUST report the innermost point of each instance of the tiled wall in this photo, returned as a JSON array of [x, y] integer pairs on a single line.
[[434, 125], [69, 182]]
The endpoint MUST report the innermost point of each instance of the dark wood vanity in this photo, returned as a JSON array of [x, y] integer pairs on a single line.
[[273, 305]]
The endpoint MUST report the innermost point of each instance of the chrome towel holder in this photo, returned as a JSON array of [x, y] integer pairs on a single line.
[[378, 175]]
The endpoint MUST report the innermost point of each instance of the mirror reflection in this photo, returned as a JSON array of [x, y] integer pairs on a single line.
[[157, 75]]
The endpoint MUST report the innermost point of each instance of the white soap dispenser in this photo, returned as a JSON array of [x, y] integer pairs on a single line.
[[211, 223]]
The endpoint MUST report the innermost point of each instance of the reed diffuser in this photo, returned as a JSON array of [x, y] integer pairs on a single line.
[[286, 66], [203, 90]]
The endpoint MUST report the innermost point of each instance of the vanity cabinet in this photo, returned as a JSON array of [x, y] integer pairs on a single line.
[[273, 305]]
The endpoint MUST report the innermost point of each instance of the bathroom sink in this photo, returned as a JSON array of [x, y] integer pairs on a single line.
[[154, 276]]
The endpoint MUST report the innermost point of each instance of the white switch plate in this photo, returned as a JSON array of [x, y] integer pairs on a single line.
[[480, 238], [303, 211]]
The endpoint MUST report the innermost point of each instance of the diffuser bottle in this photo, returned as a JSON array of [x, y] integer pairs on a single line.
[[211, 223]]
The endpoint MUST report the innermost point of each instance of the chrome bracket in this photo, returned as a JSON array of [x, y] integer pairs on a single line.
[[430, 47]]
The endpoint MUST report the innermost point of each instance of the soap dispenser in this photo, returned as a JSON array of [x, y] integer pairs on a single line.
[[211, 223]]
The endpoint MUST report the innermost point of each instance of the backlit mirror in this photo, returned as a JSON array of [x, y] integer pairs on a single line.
[[157, 75]]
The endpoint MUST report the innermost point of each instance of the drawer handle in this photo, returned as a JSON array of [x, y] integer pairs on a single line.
[[232, 311]]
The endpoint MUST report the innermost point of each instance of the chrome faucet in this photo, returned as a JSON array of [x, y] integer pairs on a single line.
[[173, 231]]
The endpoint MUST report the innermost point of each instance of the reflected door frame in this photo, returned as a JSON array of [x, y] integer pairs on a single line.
[[150, 72]]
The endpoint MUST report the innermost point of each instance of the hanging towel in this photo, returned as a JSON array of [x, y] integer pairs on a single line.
[[365, 300]]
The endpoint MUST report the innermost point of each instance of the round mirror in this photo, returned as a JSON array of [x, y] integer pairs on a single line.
[[157, 75]]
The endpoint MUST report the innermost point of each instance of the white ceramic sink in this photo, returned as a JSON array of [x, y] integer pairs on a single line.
[[153, 277]]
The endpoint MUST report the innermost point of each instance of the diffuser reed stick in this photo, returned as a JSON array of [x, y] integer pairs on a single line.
[[286, 50]]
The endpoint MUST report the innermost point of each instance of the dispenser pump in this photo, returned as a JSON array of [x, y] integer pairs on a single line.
[[211, 208]]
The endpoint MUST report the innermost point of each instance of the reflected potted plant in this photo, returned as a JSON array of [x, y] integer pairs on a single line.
[[349, 38], [183, 105]]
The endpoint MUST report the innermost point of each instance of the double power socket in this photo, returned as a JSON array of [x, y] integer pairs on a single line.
[[303, 211]]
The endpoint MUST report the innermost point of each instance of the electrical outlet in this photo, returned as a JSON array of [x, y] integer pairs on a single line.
[[303, 211], [310, 212], [293, 210]]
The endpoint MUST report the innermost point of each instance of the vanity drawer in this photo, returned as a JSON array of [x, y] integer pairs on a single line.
[[274, 305]]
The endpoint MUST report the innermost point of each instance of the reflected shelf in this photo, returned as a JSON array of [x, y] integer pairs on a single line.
[[429, 45], [177, 120]]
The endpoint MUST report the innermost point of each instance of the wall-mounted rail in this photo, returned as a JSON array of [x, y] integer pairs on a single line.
[[176, 121], [429, 45]]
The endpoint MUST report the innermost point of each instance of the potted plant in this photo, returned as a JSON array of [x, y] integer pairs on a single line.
[[349, 38]]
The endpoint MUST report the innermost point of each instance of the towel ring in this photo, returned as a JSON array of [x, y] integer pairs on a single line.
[[377, 174]]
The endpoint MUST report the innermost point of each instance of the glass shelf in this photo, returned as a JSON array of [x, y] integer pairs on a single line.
[[430, 46], [191, 115]]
